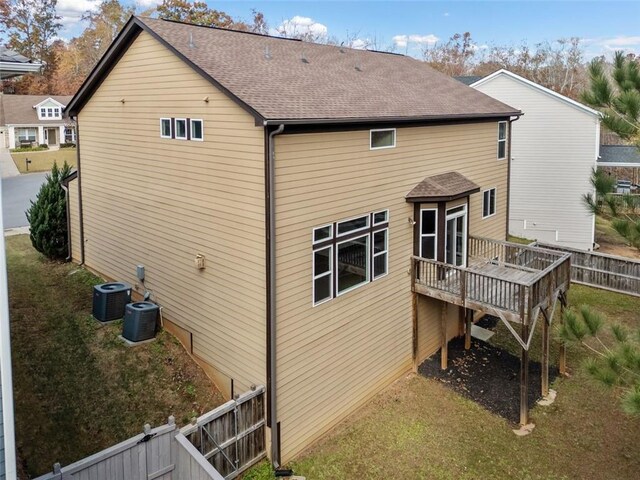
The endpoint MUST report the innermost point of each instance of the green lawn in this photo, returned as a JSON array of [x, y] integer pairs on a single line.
[[77, 388], [418, 429], [43, 161]]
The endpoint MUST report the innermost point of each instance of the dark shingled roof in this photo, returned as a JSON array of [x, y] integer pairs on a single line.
[[443, 187], [18, 109], [281, 79], [619, 154], [469, 79], [7, 55]]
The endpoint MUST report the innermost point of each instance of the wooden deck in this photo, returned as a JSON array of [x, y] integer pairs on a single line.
[[505, 279]]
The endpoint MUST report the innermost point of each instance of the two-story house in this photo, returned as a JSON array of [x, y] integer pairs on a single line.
[[306, 179]]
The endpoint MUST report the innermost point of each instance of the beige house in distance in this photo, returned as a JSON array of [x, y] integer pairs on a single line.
[[34, 120], [310, 178]]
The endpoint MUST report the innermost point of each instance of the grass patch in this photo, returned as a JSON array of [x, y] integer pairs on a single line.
[[419, 429], [43, 161], [521, 240], [77, 388], [611, 241]]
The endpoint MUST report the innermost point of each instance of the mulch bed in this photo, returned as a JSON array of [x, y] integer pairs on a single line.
[[487, 375]]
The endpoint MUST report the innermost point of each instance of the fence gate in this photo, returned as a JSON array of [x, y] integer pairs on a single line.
[[232, 437]]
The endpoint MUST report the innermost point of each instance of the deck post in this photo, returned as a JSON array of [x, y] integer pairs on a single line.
[[525, 316], [444, 350], [524, 379], [545, 354], [414, 311], [562, 358], [467, 331]]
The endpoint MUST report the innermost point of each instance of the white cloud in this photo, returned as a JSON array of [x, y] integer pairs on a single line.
[[445, 14], [360, 43], [402, 41], [622, 41], [301, 26], [148, 3], [71, 11]]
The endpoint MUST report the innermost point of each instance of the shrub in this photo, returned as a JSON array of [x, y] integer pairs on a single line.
[[44, 146], [67, 145], [47, 216], [27, 149]]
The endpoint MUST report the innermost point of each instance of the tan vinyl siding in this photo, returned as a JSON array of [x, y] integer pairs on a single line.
[[74, 220], [333, 357], [160, 202]]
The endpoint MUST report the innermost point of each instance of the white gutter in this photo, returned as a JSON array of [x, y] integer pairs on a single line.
[[14, 69], [5, 361]]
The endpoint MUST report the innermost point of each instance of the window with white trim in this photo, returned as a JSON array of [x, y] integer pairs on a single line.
[[502, 140], [181, 128], [489, 203], [348, 254], [428, 233], [197, 132], [382, 138], [26, 134], [165, 128]]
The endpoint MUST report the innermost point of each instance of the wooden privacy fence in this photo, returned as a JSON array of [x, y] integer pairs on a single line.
[[232, 437], [147, 456], [600, 270], [218, 446]]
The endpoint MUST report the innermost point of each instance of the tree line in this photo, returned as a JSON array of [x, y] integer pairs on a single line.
[[32, 29]]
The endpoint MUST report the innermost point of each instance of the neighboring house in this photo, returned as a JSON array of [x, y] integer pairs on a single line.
[[276, 191], [621, 161], [35, 120], [554, 149]]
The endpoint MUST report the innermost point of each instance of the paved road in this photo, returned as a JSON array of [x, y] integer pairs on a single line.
[[16, 195]]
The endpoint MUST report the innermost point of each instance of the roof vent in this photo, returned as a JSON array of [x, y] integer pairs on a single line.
[[303, 58], [357, 67], [342, 50], [191, 44], [267, 53]]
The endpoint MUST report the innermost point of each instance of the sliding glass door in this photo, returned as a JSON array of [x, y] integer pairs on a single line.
[[456, 236]]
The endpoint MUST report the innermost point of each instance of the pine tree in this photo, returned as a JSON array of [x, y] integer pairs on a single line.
[[617, 97], [47, 216], [615, 359]]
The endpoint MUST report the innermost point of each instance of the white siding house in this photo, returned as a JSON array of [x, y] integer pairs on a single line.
[[554, 147]]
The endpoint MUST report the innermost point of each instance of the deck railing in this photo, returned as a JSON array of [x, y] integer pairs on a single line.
[[547, 272]]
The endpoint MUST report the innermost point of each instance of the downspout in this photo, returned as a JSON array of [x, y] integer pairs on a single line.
[[80, 210], [509, 175], [65, 187], [271, 287]]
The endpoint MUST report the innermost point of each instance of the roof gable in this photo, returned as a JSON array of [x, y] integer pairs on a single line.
[[547, 91], [288, 81], [49, 102], [21, 109]]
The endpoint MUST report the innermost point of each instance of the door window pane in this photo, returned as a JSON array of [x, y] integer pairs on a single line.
[[353, 263]]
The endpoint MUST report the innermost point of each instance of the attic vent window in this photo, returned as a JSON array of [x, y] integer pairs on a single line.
[[382, 138]]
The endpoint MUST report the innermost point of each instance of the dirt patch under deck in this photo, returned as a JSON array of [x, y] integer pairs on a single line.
[[487, 375]]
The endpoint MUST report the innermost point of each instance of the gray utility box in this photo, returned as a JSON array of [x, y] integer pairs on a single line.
[[140, 321], [109, 300]]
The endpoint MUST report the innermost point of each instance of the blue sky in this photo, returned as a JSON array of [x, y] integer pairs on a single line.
[[604, 26]]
